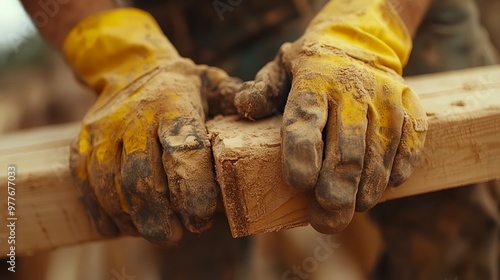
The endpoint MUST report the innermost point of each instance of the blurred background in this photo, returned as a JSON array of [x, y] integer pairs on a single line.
[[36, 86]]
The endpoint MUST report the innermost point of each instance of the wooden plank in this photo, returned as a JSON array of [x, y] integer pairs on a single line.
[[48, 209], [38, 138], [463, 147]]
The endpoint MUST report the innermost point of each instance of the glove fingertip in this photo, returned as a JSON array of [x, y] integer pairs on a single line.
[[219, 89], [251, 101], [299, 172], [410, 151], [336, 193], [366, 202], [266, 95], [197, 225], [189, 167], [302, 155], [402, 171], [328, 222]]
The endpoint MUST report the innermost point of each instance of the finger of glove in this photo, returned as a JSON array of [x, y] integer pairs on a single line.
[[218, 89], [187, 160], [105, 178], [144, 185], [414, 129], [267, 94], [301, 133], [385, 119], [344, 157], [327, 222], [79, 155]]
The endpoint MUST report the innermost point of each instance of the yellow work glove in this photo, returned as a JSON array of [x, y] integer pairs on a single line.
[[143, 159], [351, 126]]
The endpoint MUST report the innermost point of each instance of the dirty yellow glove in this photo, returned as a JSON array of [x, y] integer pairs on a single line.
[[351, 125], [143, 160]]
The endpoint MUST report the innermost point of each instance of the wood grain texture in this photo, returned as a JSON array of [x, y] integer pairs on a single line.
[[48, 209], [463, 147]]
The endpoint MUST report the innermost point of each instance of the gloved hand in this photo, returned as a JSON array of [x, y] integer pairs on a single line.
[[143, 158], [351, 125]]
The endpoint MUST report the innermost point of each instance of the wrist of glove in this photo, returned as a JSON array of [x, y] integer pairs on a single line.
[[351, 126], [142, 160]]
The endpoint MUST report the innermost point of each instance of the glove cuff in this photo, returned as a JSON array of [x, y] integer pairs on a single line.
[[111, 49], [369, 30]]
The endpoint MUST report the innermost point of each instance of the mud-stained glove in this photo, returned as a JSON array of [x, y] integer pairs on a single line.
[[351, 126], [142, 161]]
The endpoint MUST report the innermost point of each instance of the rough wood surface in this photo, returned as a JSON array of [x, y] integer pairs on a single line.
[[48, 209], [463, 147]]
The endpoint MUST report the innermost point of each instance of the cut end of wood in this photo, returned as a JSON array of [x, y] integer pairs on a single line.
[[248, 166]]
